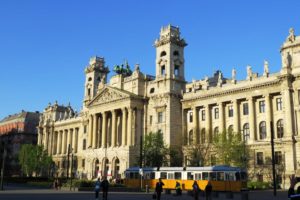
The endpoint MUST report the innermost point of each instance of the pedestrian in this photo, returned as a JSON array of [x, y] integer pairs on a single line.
[[208, 190], [178, 189], [55, 184], [196, 190], [105, 185], [159, 188], [97, 188]]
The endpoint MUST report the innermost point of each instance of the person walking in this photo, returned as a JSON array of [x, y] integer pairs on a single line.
[[158, 188], [178, 189], [208, 190], [196, 190], [105, 185], [97, 188]]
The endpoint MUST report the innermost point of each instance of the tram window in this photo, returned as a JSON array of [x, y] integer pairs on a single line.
[[229, 176], [237, 176], [197, 176], [163, 175], [177, 175], [136, 175], [147, 175], [152, 175], [190, 176], [170, 175], [212, 176], [220, 176], [127, 175], [204, 175]]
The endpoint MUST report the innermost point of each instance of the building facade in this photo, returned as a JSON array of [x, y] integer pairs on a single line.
[[106, 135], [16, 130]]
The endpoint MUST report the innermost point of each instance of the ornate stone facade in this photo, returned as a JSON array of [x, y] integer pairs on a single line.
[[105, 136]]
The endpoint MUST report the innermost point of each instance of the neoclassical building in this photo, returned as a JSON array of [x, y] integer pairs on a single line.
[[105, 136]]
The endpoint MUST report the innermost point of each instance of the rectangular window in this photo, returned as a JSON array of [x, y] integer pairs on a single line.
[[177, 175], [278, 157], [163, 175], [262, 106], [216, 113], [279, 104], [163, 70], [160, 117], [150, 119], [83, 163], [230, 111], [84, 128], [260, 158], [203, 115], [191, 117], [245, 109], [176, 70]]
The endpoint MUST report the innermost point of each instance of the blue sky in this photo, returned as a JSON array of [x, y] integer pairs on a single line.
[[45, 45]]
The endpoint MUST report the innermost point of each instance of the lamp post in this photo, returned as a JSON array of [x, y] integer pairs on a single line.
[[2, 167], [273, 158]]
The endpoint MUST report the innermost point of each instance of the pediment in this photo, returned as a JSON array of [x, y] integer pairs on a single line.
[[107, 95]]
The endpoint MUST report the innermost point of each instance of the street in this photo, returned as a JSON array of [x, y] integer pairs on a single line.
[[49, 194]]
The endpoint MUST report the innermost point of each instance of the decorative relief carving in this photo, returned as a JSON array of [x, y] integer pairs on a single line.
[[108, 96]]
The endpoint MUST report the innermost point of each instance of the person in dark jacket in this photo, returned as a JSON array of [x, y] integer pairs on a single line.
[[196, 190], [159, 188], [97, 188], [178, 189], [105, 185], [208, 190]]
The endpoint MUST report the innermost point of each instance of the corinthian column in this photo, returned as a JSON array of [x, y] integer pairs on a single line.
[[236, 125], [113, 129], [90, 133], [222, 121], [268, 116], [129, 128], [195, 125], [104, 132], [288, 113], [124, 126], [95, 130], [251, 119]]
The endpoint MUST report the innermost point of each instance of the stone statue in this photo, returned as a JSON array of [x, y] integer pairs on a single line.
[[291, 37], [233, 74], [266, 67], [137, 67], [249, 72], [286, 60]]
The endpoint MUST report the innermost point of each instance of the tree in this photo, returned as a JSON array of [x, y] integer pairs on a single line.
[[230, 149], [155, 151], [176, 156], [33, 159], [198, 155]]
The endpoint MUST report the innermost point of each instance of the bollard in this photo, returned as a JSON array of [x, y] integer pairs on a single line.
[[244, 194], [147, 188]]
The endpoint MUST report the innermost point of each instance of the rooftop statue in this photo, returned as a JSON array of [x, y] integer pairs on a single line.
[[291, 37], [121, 70]]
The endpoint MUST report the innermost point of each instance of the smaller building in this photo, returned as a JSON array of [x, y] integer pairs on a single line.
[[16, 130]]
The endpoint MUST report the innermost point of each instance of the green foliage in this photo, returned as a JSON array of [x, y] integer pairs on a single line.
[[256, 185], [154, 150], [33, 159], [198, 155], [230, 149], [176, 156]]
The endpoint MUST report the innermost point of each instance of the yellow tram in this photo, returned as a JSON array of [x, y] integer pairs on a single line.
[[222, 178]]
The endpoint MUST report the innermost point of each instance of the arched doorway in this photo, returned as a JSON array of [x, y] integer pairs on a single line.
[[105, 168], [116, 169], [96, 169]]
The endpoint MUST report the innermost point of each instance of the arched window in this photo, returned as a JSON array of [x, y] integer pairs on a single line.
[[246, 132], [262, 130], [190, 139], [163, 53], [280, 128], [83, 144], [216, 131], [176, 53], [203, 136]]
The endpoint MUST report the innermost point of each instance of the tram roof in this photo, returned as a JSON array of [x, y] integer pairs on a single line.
[[205, 168]]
